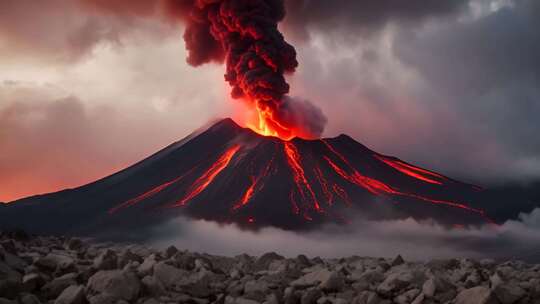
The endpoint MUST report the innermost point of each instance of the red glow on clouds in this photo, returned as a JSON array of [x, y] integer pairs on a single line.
[[207, 178], [412, 171]]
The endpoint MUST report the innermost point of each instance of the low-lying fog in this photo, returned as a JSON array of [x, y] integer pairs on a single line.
[[519, 239]]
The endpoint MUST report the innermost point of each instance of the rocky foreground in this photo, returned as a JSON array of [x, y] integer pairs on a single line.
[[70, 271]]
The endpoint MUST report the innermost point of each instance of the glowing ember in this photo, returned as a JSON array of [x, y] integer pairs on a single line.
[[202, 182], [302, 184], [412, 171]]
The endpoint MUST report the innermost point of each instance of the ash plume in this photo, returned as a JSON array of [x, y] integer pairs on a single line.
[[244, 35]]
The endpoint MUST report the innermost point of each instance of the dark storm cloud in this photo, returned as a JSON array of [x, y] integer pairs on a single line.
[[361, 17], [488, 72]]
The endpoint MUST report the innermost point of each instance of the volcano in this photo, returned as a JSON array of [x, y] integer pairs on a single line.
[[231, 174]]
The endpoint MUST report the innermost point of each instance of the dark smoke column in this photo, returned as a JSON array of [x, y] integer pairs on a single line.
[[244, 34]]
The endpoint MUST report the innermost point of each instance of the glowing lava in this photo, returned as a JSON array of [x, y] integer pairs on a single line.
[[145, 195], [266, 123], [412, 171], [377, 187], [299, 176], [254, 185], [206, 179]]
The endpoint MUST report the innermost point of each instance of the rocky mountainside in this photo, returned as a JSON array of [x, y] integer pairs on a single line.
[[230, 174], [61, 270]]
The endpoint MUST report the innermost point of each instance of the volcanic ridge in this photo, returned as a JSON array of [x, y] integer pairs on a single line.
[[231, 174]]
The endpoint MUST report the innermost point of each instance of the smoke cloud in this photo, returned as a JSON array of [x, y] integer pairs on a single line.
[[414, 240]]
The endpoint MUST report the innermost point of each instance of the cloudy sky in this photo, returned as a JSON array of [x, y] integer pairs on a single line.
[[88, 87]]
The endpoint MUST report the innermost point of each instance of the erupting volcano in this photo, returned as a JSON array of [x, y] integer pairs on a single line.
[[231, 174], [277, 172]]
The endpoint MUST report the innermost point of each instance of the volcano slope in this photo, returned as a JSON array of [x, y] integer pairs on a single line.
[[231, 174]]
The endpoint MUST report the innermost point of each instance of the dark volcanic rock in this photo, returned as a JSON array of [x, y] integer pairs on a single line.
[[231, 174], [186, 277]]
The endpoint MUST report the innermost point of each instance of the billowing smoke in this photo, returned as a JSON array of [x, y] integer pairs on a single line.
[[244, 34]]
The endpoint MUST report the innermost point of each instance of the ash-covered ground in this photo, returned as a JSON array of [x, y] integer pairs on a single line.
[[61, 270]]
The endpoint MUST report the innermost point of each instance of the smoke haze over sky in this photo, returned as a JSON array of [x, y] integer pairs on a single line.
[[452, 85]]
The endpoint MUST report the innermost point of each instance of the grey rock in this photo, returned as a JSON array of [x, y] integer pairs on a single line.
[[72, 295], [476, 295], [312, 278], [126, 257], [171, 251], [398, 260], [509, 293], [168, 275], [32, 282], [256, 290], [152, 286], [264, 261], [52, 261], [311, 296], [407, 297], [55, 287], [29, 298], [74, 244], [397, 281], [333, 282], [368, 297], [10, 288], [107, 260], [118, 284]]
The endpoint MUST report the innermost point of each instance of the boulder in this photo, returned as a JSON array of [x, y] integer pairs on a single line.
[[509, 293], [333, 282], [32, 282], [398, 260], [168, 275], [118, 284], [397, 281], [74, 294], [54, 288], [264, 261], [29, 298], [107, 260], [312, 279], [53, 261], [476, 295]]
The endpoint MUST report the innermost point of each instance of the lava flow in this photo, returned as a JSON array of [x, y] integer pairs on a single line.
[[302, 184], [377, 187], [255, 185], [206, 179], [412, 171]]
